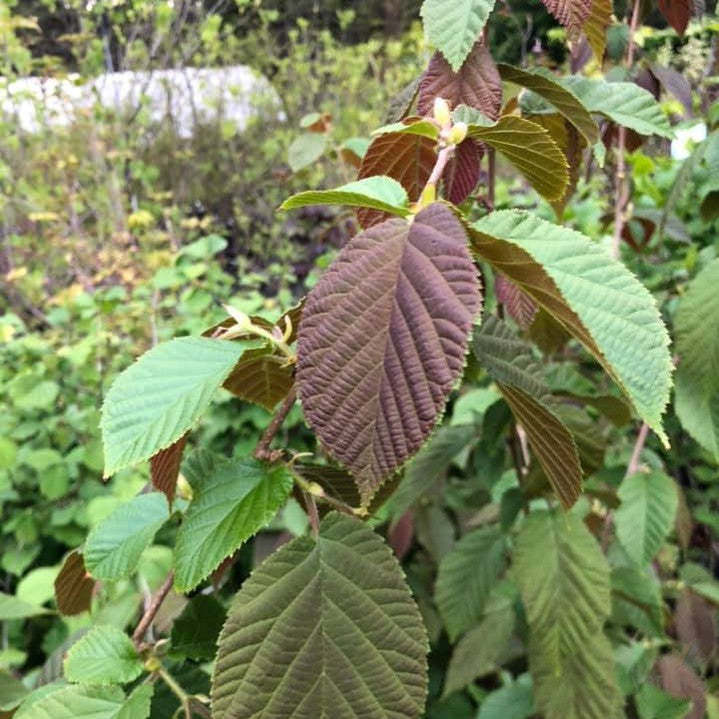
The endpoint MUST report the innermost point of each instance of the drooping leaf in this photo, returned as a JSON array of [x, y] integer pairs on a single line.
[[680, 680], [697, 337], [14, 608], [73, 586], [157, 399], [87, 702], [430, 463], [564, 582], [595, 298], [481, 649], [323, 628], [195, 631], [407, 158], [463, 171], [165, 468], [262, 377], [653, 703], [625, 103], [466, 576], [571, 13], [476, 84], [677, 13], [596, 25], [105, 655], [551, 441], [401, 104], [378, 193], [646, 514], [114, 546], [231, 504], [454, 26], [383, 339], [526, 145], [544, 84]]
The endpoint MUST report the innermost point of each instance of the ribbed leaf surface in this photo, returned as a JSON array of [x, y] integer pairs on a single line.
[[165, 468], [230, 504], [81, 702], [105, 655], [595, 298], [73, 586], [476, 84], [454, 26], [518, 304], [622, 102], [564, 582], [262, 377], [156, 400], [383, 339], [463, 171], [529, 147], [114, 546], [407, 158], [596, 25], [571, 13], [466, 576], [697, 338], [544, 84], [646, 514], [323, 628]]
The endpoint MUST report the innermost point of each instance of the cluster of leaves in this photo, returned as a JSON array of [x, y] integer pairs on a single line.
[[464, 370]]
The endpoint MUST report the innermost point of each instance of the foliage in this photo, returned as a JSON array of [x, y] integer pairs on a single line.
[[478, 532]]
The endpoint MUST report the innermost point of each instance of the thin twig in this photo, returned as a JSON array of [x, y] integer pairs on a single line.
[[262, 451], [621, 184], [151, 612], [312, 513]]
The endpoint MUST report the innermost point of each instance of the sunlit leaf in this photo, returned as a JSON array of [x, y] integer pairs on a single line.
[[105, 655]]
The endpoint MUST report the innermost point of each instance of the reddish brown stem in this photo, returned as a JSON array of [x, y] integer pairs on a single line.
[[262, 451], [151, 612]]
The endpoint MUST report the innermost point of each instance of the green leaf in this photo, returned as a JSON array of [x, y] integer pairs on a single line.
[[480, 651], [527, 145], [563, 578], [636, 600], [697, 342], [429, 464], [195, 631], [594, 297], [514, 701], [323, 628], [11, 692], [653, 703], [544, 84], [453, 26], [105, 655], [157, 399], [383, 340], [14, 608], [466, 576], [595, 26], [81, 702], [306, 149], [412, 126], [114, 546], [378, 193], [231, 504], [646, 514], [622, 102]]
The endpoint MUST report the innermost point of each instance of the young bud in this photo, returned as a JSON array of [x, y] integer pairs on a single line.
[[457, 133], [442, 113], [243, 321]]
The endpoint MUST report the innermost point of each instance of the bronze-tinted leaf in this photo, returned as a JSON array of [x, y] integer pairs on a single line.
[[165, 468], [262, 377], [518, 304], [571, 13], [477, 83], [73, 586], [677, 13], [407, 158], [596, 24], [679, 679], [694, 620], [462, 173], [383, 339]]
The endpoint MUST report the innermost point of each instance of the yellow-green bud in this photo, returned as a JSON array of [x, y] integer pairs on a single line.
[[457, 133], [442, 113]]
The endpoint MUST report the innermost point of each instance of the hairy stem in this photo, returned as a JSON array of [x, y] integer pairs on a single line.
[[262, 451], [151, 612]]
